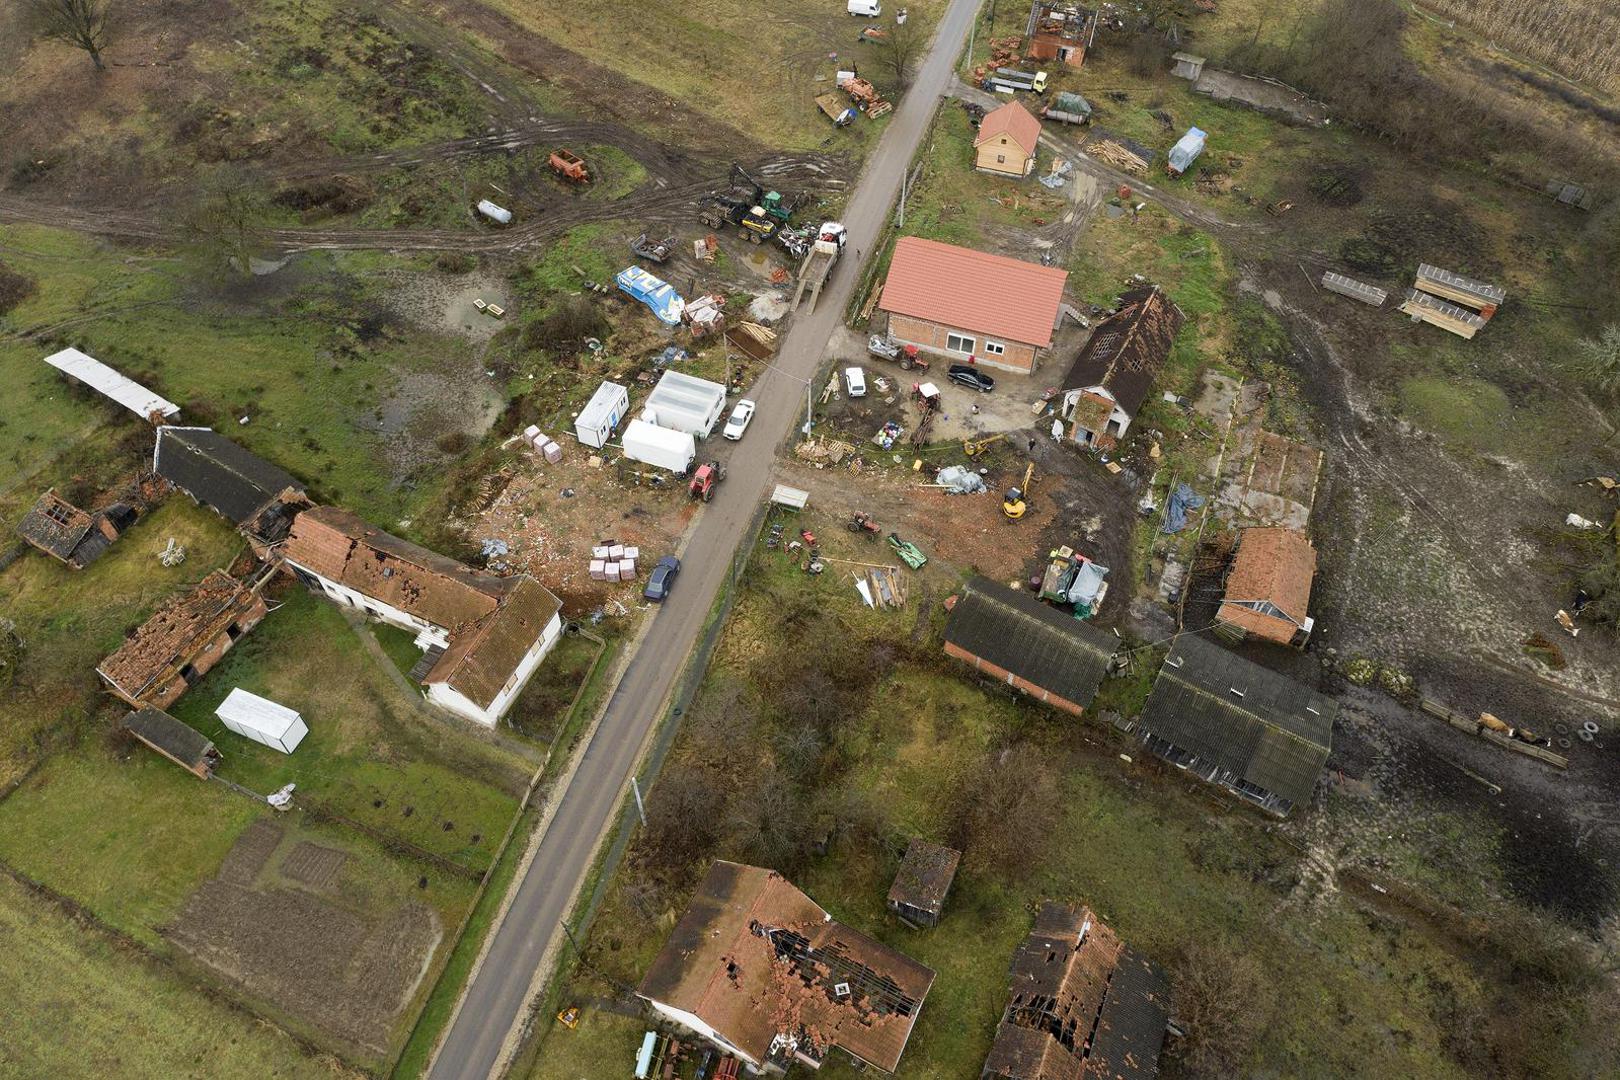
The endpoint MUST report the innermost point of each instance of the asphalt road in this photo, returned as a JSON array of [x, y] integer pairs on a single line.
[[498, 996]]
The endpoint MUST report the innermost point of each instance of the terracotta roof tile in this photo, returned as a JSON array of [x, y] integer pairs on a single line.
[[1273, 566], [342, 547], [1126, 350], [480, 661], [974, 290], [754, 958], [172, 631], [1012, 120]]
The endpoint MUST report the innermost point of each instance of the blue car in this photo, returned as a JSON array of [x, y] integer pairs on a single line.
[[662, 577]]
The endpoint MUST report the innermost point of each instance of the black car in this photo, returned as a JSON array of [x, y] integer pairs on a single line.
[[662, 577], [971, 377]]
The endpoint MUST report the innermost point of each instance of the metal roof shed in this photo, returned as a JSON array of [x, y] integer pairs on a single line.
[[682, 402], [107, 382], [601, 415], [262, 720]]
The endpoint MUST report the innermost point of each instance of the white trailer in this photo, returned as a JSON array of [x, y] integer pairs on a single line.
[[262, 720], [659, 446], [600, 417]]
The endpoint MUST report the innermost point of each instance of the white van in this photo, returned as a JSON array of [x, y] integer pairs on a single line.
[[855, 380], [869, 9]]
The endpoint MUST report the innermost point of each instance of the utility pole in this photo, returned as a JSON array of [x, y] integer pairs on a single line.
[[640, 806]]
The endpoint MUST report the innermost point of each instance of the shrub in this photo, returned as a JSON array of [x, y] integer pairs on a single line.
[[15, 287]]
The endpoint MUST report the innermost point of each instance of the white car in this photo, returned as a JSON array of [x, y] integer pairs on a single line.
[[855, 379], [737, 423]]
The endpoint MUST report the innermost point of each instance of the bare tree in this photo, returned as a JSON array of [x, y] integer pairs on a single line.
[[1599, 359], [225, 221], [80, 23], [899, 50]]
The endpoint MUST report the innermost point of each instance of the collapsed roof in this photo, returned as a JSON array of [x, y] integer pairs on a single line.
[[1081, 1004], [925, 876], [772, 973], [1127, 350], [481, 661], [76, 537], [174, 631]]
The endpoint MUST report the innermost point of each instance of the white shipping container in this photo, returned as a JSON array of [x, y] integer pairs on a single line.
[[661, 447], [262, 720]]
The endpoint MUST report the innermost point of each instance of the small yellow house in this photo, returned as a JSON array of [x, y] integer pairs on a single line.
[[1005, 144]]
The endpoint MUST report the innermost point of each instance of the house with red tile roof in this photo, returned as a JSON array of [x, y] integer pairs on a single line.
[[951, 300], [1006, 141], [1268, 587]]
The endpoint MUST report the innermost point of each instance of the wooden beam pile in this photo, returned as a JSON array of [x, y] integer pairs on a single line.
[[1480, 296], [1118, 154], [1425, 308], [1355, 290]]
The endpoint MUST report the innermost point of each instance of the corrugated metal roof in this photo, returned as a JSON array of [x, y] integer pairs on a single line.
[[1034, 641], [1260, 726], [104, 380], [685, 402], [1012, 120], [973, 290]]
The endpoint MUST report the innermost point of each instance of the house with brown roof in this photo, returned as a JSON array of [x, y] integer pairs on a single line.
[[923, 881], [1033, 647], [1006, 140], [1268, 587], [167, 654], [71, 535], [1110, 378], [1082, 1005], [1059, 31], [483, 635], [1000, 312], [760, 970]]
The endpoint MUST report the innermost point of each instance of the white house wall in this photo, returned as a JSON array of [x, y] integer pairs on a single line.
[[446, 696], [690, 1022], [427, 634]]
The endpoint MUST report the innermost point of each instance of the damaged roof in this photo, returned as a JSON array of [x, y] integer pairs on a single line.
[[217, 472], [1126, 351], [479, 662], [1034, 641], [974, 290], [1259, 725], [1268, 588], [1080, 1004], [925, 875], [341, 547], [754, 958], [172, 631], [56, 526]]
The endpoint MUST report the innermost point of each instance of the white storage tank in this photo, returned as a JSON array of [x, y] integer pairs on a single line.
[[498, 214]]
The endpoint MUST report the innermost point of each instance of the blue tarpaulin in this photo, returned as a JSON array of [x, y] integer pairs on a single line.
[[1181, 500], [655, 292]]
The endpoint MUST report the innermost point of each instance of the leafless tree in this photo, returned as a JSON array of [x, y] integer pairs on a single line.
[[80, 23], [225, 221], [899, 50]]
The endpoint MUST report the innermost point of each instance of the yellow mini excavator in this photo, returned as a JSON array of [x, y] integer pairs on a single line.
[[1014, 503]]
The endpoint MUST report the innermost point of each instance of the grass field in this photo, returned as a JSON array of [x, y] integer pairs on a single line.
[[311, 359], [750, 65], [70, 620], [370, 755], [79, 1020]]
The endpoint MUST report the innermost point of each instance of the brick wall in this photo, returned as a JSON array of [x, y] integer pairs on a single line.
[[1022, 685], [1019, 357]]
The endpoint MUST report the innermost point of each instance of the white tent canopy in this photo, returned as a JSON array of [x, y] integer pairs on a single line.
[[104, 380], [262, 720], [682, 402]]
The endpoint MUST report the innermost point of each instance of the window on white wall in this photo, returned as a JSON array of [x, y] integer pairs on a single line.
[[994, 348], [959, 343]]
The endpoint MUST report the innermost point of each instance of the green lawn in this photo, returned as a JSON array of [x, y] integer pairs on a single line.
[[70, 620], [75, 997], [369, 755]]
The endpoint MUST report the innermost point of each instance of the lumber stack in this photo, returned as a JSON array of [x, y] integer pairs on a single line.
[[1121, 155], [1425, 308], [1452, 302]]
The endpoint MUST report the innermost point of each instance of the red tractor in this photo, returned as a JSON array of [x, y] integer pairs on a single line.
[[862, 522], [705, 480]]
